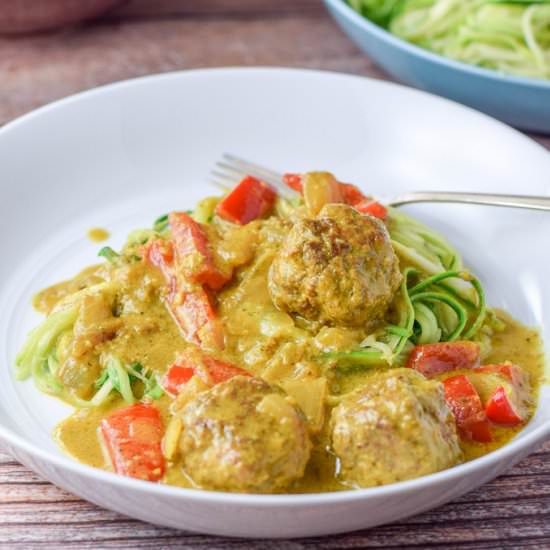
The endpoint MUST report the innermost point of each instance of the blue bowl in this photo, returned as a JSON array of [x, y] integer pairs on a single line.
[[521, 102]]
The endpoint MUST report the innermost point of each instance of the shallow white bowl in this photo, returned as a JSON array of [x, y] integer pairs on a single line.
[[119, 156]]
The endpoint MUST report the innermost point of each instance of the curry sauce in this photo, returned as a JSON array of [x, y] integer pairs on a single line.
[[77, 435], [274, 347]]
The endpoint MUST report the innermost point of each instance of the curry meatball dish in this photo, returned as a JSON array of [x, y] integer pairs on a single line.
[[258, 344]]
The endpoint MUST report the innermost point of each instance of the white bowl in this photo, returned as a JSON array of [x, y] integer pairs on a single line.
[[119, 156]]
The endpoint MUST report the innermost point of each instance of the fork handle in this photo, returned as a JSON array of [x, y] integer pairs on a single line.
[[514, 201]]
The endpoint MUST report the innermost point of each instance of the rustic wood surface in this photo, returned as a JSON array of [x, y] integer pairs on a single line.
[[144, 37]]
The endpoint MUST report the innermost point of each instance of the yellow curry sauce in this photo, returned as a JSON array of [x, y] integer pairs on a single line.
[[98, 234], [126, 316], [77, 435], [517, 343]]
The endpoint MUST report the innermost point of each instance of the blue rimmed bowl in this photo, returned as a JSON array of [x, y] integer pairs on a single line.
[[521, 102]]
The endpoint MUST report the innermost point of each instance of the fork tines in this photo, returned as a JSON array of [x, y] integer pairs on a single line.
[[232, 168]]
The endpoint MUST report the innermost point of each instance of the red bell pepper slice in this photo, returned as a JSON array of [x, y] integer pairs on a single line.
[[221, 372], [160, 254], [433, 359], [352, 194], [191, 242], [249, 200], [191, 308], [294, 181], [176, 377], [508, 394], [374, 208], [211, 371], [132, 438], [195, 315], [465, 403], [513, 373], [349, 193], [502, 408]]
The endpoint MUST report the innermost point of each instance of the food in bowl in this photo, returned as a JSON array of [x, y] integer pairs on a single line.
[[263, 345], [511, 37]]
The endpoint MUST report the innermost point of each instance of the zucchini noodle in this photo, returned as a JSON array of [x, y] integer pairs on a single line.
[[37, 357], [118, 377], [509, 36], [438, 300]]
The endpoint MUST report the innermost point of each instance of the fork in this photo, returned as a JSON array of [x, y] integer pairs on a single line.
[[231, 168]]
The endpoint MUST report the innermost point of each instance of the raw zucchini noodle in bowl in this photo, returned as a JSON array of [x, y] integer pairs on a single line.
[[512, 37]]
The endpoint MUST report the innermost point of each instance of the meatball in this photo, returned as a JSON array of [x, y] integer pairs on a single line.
[[243, 436], [338, 268], [396, 427]]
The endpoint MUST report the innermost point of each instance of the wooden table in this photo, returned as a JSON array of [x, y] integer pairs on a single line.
[[149, 37]]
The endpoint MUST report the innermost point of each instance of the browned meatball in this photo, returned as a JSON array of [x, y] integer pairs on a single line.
[[338, 268], [243, 436], [396, 427]]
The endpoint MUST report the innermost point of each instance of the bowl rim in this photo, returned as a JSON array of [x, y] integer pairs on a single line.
[[369, 26], [522, 443]]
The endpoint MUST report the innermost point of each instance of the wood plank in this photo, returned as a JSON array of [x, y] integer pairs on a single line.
[[514, 507], [213, 8], [42, 68], [396, 535], [71, 512]]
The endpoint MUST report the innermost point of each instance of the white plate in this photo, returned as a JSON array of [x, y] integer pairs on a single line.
[[119, 156]]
